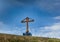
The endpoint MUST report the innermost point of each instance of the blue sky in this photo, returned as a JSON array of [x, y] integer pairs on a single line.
[[46, 14]]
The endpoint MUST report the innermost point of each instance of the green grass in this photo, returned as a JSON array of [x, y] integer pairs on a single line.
[[17, 38]]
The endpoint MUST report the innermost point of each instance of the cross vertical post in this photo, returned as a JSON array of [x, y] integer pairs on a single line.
[[26, 20], [27, 27]]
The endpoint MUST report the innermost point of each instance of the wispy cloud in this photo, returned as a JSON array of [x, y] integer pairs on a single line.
[[57, 17], [52, 31], [4, 28]]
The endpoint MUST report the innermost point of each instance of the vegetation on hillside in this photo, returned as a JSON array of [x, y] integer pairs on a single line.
[[17, 38]]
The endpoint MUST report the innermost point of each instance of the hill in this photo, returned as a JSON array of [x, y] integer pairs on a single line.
[[18, 38]]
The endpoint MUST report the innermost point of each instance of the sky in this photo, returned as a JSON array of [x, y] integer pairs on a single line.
[[46, 15]]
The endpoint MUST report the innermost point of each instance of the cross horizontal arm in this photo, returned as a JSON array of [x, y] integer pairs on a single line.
[[27, 21], [22, 21]]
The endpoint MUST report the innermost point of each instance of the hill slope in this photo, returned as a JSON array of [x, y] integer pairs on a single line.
[[17, 38]]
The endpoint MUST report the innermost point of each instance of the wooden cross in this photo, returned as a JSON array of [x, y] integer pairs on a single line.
[[26, 20]]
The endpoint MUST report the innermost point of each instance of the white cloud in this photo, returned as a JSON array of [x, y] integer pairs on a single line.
[[4, 28], [52, 31], [53, 34], [55, 26], [58, 17]]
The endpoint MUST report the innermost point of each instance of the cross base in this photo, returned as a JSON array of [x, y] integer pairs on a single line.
[[27, 34]]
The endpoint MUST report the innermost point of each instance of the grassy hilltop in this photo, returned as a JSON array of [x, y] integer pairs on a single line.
[[17, 38]]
